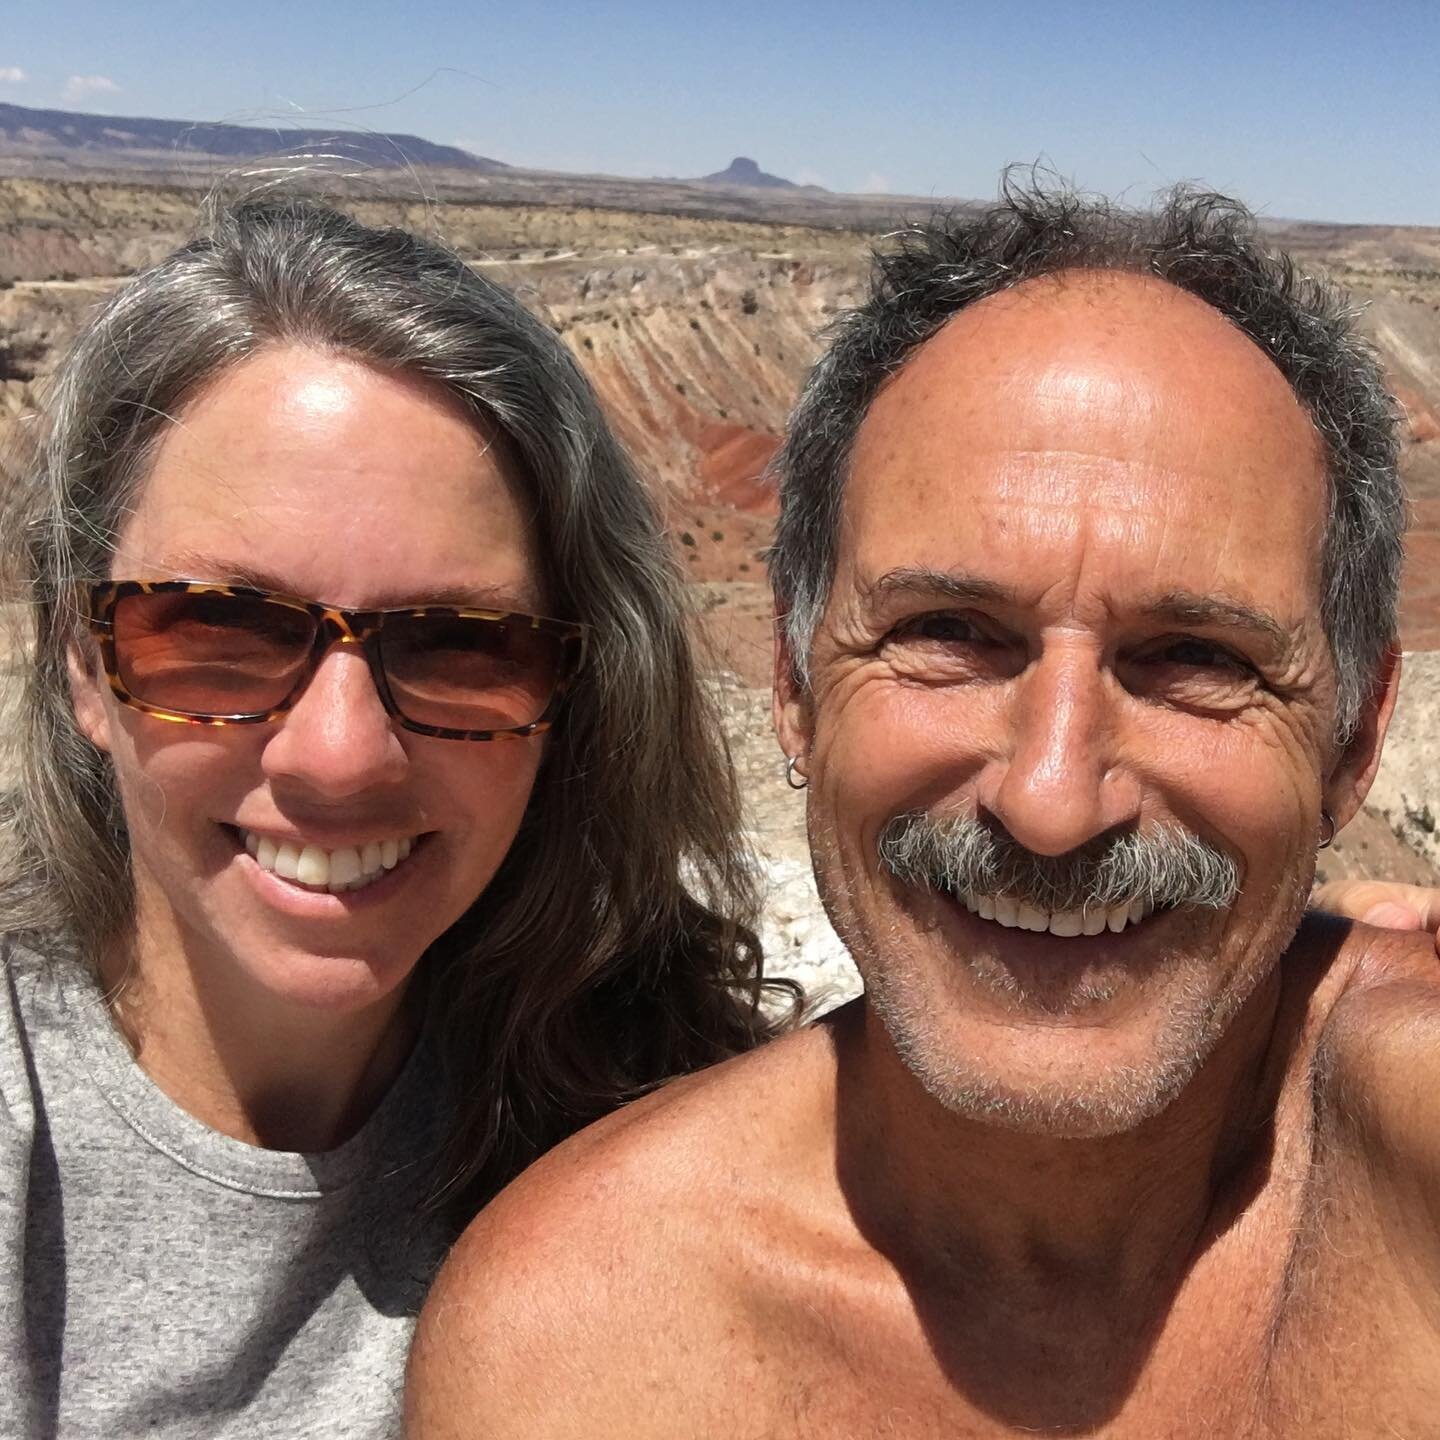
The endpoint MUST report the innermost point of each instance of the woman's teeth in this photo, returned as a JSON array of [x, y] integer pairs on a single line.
[[1016, 915], [349, 868]]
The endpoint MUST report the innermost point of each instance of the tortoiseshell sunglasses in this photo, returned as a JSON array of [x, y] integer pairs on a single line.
[[212, 654]]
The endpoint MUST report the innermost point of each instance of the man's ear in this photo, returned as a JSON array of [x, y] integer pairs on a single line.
[[791, 701], [87, 683], [1354, 769]]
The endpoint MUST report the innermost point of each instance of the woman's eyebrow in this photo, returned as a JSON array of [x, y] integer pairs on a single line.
[[209, 566]]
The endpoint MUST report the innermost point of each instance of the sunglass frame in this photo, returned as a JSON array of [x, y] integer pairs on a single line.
[[333, 624]]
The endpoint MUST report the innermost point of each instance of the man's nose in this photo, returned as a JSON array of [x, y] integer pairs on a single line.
[[338, 738], [1061, 779]]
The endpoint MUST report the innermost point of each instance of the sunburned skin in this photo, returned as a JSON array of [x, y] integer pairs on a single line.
[[725, 1258], [1173, 1181]]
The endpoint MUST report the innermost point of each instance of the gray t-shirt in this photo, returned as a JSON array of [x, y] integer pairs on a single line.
[[160, 1279]]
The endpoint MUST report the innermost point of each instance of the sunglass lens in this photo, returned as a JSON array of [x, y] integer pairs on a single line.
[[465, 673], [210, 653]]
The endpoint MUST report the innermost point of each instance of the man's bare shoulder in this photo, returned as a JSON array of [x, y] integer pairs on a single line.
[[1377, 1069], [1390, 995], [608, 1264], [1360, 1331]]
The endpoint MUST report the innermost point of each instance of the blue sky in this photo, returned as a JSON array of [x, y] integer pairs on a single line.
[[1319, 110]]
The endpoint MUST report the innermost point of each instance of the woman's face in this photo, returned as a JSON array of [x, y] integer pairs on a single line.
[[316, 476]]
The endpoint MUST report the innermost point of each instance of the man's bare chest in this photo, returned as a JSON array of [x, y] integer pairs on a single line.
[[1275, 1334], [1356, 1345]]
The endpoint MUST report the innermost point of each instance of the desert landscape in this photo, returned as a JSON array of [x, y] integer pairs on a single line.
[[695, 307]]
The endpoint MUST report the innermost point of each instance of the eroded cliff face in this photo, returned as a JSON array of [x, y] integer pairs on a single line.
[[695, 333], [697, 356], [1403, 318]]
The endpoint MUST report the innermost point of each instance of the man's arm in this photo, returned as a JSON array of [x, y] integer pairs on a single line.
[[1356, 1351]]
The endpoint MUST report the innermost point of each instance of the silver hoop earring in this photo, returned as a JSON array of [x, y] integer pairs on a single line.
[[1327, 829], [791, 761]]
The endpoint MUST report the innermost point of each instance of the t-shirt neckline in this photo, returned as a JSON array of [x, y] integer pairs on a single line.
[[170, 1129]]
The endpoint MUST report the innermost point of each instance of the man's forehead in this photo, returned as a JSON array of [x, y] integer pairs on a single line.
[[1102, 434], [1099, 360]]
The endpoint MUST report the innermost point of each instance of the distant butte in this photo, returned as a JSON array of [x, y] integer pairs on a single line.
[[746, 173]]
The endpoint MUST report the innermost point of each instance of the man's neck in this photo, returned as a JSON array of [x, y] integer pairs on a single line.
[[243, 1062], [1030, 1213]]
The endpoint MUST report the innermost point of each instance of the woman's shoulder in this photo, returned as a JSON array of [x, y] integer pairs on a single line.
[[49, 1006], [37, 974]]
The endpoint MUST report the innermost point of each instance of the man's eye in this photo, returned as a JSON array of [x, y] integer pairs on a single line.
[[1197, 654], [1193, 673], [948, 647], [943, 628]]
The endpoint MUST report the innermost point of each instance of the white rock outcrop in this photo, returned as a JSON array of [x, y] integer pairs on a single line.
[[1407, 788]]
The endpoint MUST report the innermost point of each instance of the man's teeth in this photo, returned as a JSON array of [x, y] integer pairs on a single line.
[[349, 868], [1017, 915]]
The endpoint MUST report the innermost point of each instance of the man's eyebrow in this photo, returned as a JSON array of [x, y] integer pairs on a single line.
[[953, 585], [1175, 607], [1186, 607]]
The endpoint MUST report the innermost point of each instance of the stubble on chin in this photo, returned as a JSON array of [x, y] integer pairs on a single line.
[[935, 1031], [1087, 1103]]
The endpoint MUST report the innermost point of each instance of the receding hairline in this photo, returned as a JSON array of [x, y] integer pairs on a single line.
[[1171, 305], [940, 379]]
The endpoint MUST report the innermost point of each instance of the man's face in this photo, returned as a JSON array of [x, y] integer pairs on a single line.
[[1076, 598]]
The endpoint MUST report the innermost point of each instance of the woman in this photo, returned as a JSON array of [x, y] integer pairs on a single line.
[[372, 831]]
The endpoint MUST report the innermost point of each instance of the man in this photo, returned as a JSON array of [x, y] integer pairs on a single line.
[[1087, 562]]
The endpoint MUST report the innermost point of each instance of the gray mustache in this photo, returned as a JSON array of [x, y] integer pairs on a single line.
[[1169, 866]]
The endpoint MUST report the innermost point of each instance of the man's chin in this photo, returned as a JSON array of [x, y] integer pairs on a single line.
[[1098, 1059], [1065, 1036], [1082, 1107]]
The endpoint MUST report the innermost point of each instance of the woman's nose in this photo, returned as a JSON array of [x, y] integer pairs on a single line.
[[338, 739]]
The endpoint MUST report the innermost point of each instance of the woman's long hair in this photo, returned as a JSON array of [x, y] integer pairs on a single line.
[[614, 948]]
